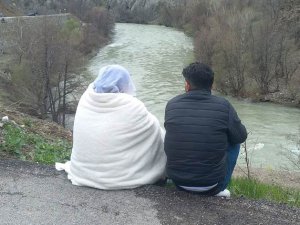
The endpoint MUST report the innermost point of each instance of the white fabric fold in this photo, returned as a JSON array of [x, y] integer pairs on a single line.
[[117, 143]]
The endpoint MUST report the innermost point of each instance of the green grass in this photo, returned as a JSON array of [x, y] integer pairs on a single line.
[[254, 189], [18, 142]]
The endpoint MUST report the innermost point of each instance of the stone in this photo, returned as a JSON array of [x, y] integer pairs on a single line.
[[5, 119]]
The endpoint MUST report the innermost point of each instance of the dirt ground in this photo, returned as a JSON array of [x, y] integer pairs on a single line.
[[177, 207]]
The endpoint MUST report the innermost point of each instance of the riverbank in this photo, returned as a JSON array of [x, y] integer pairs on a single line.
[[23, 137], [283, 98], [51, 131]]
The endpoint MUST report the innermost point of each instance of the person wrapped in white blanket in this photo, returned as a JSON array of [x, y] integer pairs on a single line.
[[117, 143]]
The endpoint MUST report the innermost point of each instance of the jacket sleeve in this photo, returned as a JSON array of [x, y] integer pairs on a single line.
[[237, 132]]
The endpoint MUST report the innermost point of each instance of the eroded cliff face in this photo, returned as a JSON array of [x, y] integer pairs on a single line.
[[138, 11]]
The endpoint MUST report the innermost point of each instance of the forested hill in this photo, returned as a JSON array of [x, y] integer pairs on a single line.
[[42, 7], [139, 11]]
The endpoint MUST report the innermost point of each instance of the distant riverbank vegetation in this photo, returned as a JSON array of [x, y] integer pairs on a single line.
[[44, 56], [252, 45]]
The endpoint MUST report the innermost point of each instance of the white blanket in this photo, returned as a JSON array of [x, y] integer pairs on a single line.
[[117, 143]]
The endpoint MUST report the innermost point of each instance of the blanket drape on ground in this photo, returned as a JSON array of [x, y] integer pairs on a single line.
[[117, 143]]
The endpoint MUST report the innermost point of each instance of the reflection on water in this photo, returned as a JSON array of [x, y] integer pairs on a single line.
[[156, 55]]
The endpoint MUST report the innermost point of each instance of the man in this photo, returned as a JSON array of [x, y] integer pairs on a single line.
[[203, 136]]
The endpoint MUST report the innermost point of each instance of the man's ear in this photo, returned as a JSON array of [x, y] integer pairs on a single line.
[[187, 86]]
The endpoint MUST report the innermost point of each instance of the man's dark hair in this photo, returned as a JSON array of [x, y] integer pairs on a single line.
[[199, 75]]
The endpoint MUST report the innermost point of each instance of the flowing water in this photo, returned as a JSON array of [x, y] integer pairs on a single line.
[[156, 55]]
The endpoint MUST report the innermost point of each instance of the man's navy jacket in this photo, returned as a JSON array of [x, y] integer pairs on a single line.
[[199, 128]]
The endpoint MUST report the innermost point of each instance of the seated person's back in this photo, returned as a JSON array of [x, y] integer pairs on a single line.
[[117, 143], [200, 128]]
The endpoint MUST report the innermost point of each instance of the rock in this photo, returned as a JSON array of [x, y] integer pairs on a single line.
[[5, 119]]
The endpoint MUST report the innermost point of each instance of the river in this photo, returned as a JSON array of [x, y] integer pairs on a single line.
[[156, 55]]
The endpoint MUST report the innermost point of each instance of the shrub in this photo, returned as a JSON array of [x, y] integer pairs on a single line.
[[13, 139], [18, 142]]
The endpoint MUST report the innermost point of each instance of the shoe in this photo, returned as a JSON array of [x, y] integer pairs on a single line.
[[224, 194]]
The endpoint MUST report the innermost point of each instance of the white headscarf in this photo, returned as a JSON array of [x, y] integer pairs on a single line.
[[114, 79]]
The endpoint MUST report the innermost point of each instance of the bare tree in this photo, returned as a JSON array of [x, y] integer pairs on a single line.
[[68, 81], [265, 45], [51, 66], [271, 50], [20, 40], [234, 50], [204, 45]]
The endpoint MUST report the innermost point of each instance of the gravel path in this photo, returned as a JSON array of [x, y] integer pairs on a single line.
[[35, 194]]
